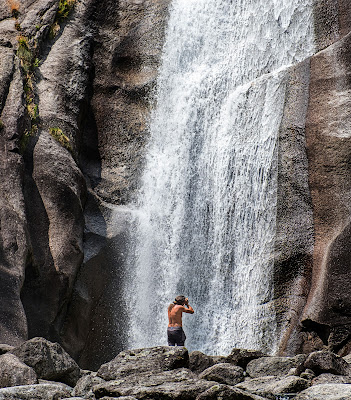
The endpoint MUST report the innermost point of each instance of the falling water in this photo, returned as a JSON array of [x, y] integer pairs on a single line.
[[205, 222]]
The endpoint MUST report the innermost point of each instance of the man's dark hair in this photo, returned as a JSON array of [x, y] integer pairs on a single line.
[[180, 300]]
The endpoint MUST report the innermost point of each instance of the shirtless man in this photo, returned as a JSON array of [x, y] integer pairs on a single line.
[[175, 333]]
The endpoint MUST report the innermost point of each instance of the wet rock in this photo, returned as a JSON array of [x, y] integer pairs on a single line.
[[274, 366], [220, 392], [180, 384], [13, 372], [199, 361], [242, 357], [155, 359], [330, 378], [326, 392], [36, 392], [271, 386], [224, 373], [49, 360], [325, 361]]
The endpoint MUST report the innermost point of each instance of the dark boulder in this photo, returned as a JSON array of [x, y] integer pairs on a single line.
[[325, 361], [242, 357], [199, 361], [49, 361]]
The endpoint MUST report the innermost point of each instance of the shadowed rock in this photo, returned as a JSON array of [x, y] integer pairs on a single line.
[[325, 361], [199, 361], [242, 357], [49, 361]]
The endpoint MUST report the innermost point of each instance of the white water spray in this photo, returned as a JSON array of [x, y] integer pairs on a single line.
[[205, 224]]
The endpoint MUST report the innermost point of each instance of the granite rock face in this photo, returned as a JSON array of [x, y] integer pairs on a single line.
[[74, 92]]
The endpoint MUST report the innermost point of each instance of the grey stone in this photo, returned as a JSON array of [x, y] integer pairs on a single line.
[[277, 366], [35, 392], [14, 372], [224, 373], [326, 392], [49, 360], [180, 384], [271, 386], [199, 361], [325, 361], [330, 378], [85, 384], [242, 357], [155, 359]]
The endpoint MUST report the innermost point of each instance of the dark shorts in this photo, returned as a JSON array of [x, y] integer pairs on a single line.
[[176, 336]]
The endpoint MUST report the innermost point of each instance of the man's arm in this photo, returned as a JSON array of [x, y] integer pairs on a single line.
[[188, 309]]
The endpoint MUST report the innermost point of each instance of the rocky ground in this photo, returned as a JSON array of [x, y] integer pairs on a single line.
[[39, 369]]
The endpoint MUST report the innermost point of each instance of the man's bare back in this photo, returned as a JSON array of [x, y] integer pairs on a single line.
[[175, 313], [176, 335]]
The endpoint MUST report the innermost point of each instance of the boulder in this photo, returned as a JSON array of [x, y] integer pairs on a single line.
[[347, 358], [49, 360], [224, 373], [325, 361], [242, 357], [330, 378], [271, 386], [199, 361], [220, 392], [36, 392], [180, 384], [156, 359], [14, 372], [326, 392], [274, 366], [85, 384]]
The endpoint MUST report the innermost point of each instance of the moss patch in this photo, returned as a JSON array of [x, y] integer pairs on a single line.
[[60, 137]]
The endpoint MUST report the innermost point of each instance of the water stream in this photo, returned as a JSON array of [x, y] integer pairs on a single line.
[[204, 225]]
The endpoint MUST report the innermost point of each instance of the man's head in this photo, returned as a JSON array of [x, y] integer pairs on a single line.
[[179, 300]]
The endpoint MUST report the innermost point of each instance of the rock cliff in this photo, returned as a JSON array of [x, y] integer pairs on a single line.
[[76, 82]]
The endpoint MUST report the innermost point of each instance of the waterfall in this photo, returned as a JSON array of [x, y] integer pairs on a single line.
[[204, 225]]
